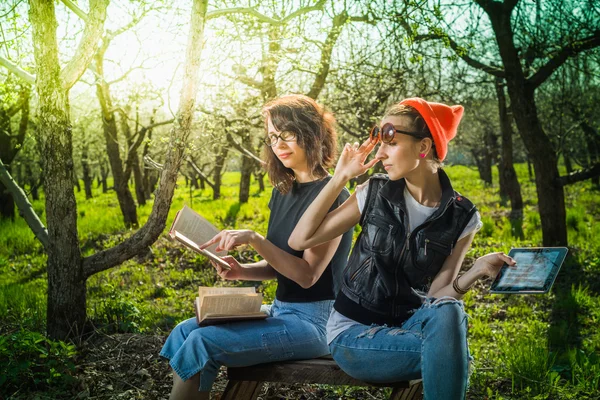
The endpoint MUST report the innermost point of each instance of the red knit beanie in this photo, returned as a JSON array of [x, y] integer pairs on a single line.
[[442, 121]]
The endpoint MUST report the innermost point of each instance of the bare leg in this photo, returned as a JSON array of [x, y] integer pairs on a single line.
[[187, 390]]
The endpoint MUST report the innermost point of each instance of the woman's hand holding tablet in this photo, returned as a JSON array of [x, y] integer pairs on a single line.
[[535, 272]]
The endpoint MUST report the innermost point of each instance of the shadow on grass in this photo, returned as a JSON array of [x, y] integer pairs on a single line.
[[574, 287]]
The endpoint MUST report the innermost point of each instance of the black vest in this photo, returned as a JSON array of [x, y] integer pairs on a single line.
[[387, 262]]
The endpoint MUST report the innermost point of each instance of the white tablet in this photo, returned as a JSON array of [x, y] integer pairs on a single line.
[[535, 272]]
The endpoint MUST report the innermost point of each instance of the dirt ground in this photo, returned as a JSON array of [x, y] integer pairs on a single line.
[[127, 366]]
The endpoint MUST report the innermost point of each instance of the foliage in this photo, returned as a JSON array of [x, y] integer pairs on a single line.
[[524, 346], [30, 361]]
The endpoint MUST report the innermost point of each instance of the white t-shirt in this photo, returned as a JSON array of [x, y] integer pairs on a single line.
[[417, 214]]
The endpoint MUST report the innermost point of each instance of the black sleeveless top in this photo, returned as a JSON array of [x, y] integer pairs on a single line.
[[286, 211]]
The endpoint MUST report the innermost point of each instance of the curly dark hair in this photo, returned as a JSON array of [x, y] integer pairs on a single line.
[[315, 134]]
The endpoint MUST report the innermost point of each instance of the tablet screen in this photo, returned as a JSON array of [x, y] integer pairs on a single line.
[[535, 271]]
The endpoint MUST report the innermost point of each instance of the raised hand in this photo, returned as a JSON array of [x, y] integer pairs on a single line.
[[490, 264], [352, 160], [230, 239]]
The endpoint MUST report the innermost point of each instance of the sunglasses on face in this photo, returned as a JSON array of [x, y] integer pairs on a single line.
[[388, 131], [286, 136]]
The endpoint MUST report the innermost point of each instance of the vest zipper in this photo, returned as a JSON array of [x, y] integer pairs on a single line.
[[424, 224], [406, 243]]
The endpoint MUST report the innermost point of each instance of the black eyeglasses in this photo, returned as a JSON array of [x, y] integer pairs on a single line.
[[387, 132], [286, 136]]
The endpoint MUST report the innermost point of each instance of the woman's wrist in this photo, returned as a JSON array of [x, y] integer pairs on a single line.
[[255, 239], [478, 270], [339, 179]]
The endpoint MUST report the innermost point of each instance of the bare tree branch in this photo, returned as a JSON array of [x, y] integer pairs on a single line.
[[570, 50], [88, 44], [180, 131], [323, 70], [462, 54], [24, 75], [141, 133], [304, 10], [580, 175], [125, 75], [349, 130], [264, 18], [243, 150], [242, 10], [246, 80], [73, 7], [198, 171], [25, 208]]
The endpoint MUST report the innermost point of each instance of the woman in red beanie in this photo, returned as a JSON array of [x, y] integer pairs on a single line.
[[398, 314]]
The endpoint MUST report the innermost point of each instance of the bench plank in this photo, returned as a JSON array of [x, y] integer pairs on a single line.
[[246, 382]]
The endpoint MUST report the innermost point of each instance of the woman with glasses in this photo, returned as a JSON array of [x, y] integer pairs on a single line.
[[398, 315], [300, 144]]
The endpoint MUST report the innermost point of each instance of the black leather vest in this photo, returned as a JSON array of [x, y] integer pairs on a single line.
[[387, 262]]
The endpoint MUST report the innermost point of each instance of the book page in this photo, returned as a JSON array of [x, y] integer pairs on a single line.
[[230, 304], [196, 228], [207, 290]]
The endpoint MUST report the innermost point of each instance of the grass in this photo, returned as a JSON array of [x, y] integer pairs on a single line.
[[524, 346]]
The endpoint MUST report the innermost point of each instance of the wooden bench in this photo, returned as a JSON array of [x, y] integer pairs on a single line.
[[245, 383]]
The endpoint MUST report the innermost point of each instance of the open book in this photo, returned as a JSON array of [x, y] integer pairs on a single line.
[[192, 230], [227, 304]]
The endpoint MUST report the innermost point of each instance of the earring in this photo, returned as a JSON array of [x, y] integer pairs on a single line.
[[422, 155]]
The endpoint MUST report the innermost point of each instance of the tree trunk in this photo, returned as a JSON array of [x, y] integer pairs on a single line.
[[109, 124], [246, 171], [260, 178], [551, 201], [568, 163], [138, 181], [33, 183], [484, 164], [593, 148], [132, 162], [507, 173], [7, 203], [87, 177], [530, 172], [10, 146], [66, 283], [146, 172], [217, 172], [104, 177], [549, 192], [76, 182]]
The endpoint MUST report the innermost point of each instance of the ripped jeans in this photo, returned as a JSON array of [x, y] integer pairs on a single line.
[[294, 331], [431, 344]]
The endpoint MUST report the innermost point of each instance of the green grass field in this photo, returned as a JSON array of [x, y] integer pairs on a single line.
[[525, 347]]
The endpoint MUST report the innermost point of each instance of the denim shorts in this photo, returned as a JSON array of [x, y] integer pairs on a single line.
[[293, 331]]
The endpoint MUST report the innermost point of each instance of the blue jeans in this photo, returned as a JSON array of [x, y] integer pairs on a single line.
[[431, 344], [294, 331]]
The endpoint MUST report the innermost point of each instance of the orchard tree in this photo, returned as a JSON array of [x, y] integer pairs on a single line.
[[532, 42]]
